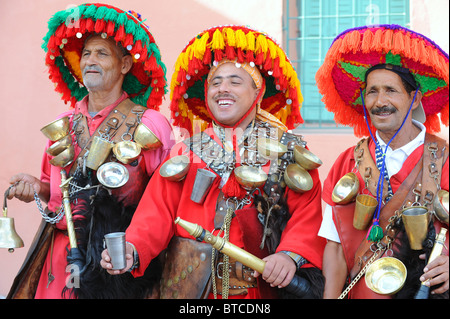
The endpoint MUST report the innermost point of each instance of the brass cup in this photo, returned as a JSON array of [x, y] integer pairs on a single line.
[[64, 158], [146, 139], [112, 175], [176, 168], [440, 204], [126, 151], [250, 177], [364, 208], [345, 189], [297, 178], [306, 158], [269, 148], [416, 220], [386, 276], [60, 145], [56, 129], [98, 152]]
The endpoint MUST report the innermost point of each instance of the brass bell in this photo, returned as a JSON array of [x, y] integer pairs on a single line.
[[8, 235]]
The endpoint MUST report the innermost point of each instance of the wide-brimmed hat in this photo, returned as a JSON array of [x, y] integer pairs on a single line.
[[282, 96], [356, 50], [67, 32]]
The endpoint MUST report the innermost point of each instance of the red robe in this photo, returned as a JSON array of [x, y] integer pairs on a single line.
[[153, 225], [56, 258], [345, 163]]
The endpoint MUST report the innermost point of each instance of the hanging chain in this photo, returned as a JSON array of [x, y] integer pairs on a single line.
[[48, 219], [362, 272]]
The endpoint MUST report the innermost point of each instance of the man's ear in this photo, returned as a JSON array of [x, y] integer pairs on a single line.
[[127, 63], [417, 100]]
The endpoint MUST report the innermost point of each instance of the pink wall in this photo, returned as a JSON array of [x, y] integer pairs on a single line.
[[29, 101]]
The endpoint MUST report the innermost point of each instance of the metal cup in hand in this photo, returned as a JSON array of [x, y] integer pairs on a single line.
[[115, 243]]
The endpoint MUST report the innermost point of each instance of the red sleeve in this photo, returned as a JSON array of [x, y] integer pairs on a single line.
[[300, 234], [152, 225]]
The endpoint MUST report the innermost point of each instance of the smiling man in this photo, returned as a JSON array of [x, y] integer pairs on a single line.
[[112, 90], [387, 91], [218, 93]]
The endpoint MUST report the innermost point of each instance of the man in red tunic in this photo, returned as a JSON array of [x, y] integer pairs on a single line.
[[390, 92], [114, 83], [218, 88]]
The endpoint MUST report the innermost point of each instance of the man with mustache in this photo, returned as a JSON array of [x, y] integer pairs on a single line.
[[233, 88], [377, 80], [105, 63]]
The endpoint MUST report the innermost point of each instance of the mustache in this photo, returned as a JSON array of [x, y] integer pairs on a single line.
[[383, 109], [92, 68], [224, 96]]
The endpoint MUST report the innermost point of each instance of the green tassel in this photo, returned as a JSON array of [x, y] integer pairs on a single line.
[[375, 233]]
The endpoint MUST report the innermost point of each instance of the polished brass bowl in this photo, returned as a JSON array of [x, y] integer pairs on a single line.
[[440, 204], [112, 175], [250, 177], [56, 129], [386, 276], [146, 138], [175, 169], [269, 148], [64, 158], [346, 189], [60, 145], [126, 151], [297, 178], [306, 158]]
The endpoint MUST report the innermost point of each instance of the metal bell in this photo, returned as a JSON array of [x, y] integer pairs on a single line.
[[8, 236]]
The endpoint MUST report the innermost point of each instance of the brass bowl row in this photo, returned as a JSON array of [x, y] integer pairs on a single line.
[[440, 204], [346, 189], [386, 276], [146, 139], [306, 158], [126, 151], [272, 149], [64, 158], [269, 148], [297, 178], [176, 168], [56, 129], [62, 148], [250, 177], [59, 146], [112, 175]]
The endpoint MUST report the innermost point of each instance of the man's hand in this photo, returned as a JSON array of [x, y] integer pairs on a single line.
[[436, 272], [24, 186], [279, 270], [106, 261]]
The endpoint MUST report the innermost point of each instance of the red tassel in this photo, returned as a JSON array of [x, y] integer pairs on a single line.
[[229, 51], [207, 57], [232, 188]]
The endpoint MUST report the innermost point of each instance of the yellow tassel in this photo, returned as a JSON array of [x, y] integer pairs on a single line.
[[200, 46], [218, 42], [229, 35], [250, 41], [272, 49], [241, 40], [261, 44]]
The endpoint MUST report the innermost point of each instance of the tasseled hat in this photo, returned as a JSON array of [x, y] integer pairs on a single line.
[[282, 97], [356, 50], [69, 29]]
